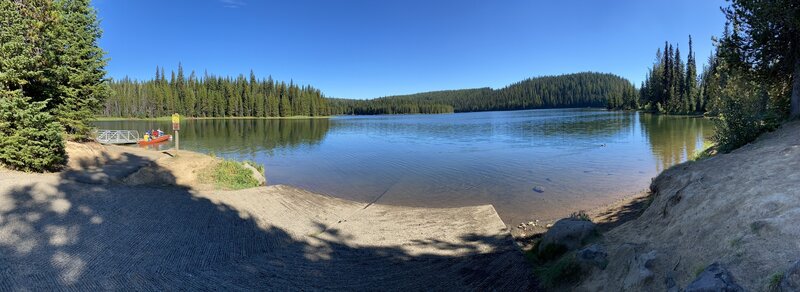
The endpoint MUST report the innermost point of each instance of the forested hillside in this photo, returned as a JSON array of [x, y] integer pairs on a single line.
[[572, 90], [212, 96]]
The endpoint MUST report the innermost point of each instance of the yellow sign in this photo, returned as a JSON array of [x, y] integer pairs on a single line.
[[176, 118]]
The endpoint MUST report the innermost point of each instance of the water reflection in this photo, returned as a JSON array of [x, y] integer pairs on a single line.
[[253, 135], [235, 135], [673, 139], [581, 158]]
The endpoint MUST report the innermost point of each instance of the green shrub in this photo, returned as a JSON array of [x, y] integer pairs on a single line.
[[232, 175], [565, 270], [743, 113], [775, 281], [550, 252], [30, 138], [580, 215]]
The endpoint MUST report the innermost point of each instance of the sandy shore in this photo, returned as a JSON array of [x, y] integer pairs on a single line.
[[126, 218]]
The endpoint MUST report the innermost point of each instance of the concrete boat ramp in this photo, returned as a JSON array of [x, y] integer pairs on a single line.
[[58, 233]]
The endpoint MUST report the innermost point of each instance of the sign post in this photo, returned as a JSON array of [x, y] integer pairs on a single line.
[[176, 126]]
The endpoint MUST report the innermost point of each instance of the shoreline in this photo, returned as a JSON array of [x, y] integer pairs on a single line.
[[113, 204], [606, 216], [167, 118]]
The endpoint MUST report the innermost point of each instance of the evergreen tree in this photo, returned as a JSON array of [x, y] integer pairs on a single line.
[[678, 103], [79, 67], [671, 86], [764, 43], [30, 138], [691, 90]]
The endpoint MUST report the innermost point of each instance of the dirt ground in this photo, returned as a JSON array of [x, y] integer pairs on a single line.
[[121, 218], [739, 209]]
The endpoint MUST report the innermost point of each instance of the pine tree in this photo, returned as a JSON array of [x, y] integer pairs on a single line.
[[30, 138], [79, 66], [678, 102], [691, 81]]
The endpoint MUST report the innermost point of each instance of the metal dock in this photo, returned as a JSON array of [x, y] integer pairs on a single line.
[[117, 136]]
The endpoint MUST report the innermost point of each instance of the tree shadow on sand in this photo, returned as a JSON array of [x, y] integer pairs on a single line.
[[63, 234]]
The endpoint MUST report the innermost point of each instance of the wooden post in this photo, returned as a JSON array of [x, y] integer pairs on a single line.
[[176, 126], [177, 142]]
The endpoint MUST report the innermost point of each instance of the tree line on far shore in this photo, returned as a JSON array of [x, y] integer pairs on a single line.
[[586, 89], [212, 96]]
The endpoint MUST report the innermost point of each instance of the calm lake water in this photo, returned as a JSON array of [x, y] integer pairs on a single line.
[[529, 164]]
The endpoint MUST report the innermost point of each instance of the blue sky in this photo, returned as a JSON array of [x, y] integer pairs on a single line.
[[367, 49]]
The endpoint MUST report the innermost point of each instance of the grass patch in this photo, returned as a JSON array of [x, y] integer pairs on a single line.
[[580, 215], [565, 270], [774, 281], [231, 175], [255, 165], [709, 149], [699, 270]]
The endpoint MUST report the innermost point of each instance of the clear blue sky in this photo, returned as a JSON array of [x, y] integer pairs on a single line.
[[372, 48]]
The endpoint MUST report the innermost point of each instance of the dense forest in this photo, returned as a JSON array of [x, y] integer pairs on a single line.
[[212, 96], [572, 90], [51, 80], [672, 86], [753, 80]]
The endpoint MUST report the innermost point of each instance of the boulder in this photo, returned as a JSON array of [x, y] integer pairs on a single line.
[[791, 278], [262, 181], [714, 278], [593, 255], [567, 234]]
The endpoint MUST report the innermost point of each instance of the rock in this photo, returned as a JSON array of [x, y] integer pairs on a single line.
[[791, 279], [538, 189], [532, 224], [669, 282], [714, 278], [569, 233], [640, 269], [549, 225], [593, 255], [256, 174]]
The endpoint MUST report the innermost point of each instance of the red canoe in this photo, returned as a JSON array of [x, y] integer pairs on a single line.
[[155, 140]]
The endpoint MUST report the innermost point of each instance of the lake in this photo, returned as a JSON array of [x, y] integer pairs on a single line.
[[529, 164]]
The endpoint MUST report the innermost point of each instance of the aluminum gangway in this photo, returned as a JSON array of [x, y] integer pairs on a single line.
[[117, 136]]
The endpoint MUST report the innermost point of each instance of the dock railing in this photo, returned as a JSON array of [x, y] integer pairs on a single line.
[[117, 136]]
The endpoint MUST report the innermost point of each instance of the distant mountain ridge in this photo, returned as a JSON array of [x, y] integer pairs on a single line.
[[586, 89]]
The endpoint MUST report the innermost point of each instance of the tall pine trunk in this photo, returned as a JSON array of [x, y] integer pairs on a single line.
[[795, 99]]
